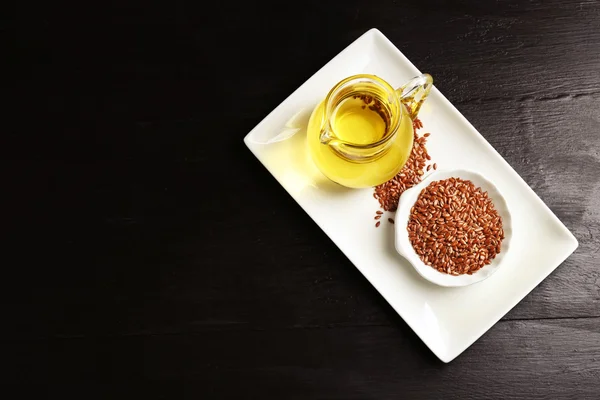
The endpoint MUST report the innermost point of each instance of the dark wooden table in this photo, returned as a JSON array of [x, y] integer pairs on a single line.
[[147, 251]]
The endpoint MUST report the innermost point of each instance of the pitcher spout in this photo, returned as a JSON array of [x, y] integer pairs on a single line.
[[326, 137]]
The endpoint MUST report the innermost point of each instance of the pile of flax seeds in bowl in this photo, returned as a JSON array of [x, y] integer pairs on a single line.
[[454, 226]]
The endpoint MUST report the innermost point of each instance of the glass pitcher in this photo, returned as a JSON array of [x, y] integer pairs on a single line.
[[361, 135]]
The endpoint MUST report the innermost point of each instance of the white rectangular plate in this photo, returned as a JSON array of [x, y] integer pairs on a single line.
[[448, 320]]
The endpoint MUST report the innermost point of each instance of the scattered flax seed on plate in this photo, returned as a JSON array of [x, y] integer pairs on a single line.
[[388, 193], [454, 227]]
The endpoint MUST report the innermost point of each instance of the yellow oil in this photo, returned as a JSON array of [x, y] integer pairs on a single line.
[[361, 118], [355, 122]]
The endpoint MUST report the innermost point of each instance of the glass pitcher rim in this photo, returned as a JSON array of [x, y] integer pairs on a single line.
[[389, 135]]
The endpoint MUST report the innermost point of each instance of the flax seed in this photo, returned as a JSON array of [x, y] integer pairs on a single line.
[[388, 193], [462, 239]]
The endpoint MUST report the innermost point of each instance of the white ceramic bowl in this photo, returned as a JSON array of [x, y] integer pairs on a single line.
[[404, 247]]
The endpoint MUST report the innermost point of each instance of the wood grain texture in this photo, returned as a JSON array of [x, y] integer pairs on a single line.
[[146, 243], [558, 359]]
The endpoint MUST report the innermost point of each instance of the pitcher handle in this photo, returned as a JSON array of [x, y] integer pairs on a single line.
[[414, 92]]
